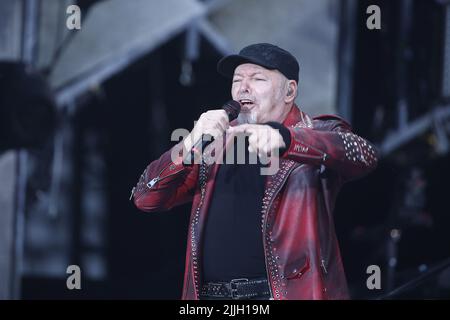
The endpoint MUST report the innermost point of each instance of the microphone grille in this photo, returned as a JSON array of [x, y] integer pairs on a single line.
[[232, 108]]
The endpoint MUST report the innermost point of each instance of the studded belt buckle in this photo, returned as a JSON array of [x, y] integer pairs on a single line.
[[233, 287]]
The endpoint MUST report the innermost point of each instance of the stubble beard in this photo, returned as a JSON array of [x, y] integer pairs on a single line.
[[247, 117]]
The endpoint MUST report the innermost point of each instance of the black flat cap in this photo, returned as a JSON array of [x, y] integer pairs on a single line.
[[266, 55]]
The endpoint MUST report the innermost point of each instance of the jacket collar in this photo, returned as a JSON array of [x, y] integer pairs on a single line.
[[297, 118]]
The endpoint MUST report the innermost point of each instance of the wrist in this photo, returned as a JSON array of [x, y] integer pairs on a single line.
[[284, 132]]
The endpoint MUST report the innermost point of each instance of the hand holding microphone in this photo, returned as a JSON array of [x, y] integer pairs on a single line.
[[210, 125]]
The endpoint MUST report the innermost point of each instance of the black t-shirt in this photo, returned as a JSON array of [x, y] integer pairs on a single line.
[[232, 243]]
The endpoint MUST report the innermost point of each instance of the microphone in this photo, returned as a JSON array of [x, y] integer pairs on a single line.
[[232, 108]]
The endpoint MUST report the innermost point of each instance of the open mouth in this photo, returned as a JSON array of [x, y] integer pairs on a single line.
[[246, 104]]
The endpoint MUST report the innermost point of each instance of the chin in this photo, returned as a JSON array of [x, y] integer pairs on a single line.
[[247, 117]]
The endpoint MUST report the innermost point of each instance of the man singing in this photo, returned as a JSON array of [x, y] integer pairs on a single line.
[[256, 236]]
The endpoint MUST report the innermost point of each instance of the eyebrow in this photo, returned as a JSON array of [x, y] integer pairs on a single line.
[[251, 75]]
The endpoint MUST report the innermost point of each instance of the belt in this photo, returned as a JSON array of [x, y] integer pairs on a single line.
[[236, 289]]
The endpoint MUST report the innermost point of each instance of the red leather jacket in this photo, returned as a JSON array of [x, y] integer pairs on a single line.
[[301, 250]]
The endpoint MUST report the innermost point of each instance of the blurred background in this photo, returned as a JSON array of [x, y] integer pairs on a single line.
[[83, 111]]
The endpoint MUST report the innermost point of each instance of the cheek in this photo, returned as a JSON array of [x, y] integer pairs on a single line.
[[263, 95], [234, 91]]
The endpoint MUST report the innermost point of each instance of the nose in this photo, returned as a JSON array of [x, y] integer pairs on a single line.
[[244, 87]]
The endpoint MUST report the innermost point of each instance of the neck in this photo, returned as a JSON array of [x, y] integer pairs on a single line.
[[285, 113]]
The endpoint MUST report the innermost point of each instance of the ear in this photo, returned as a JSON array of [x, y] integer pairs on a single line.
[[291, 91]]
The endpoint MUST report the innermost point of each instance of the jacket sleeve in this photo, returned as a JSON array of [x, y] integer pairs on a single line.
[[332, 143], [166, 182]]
